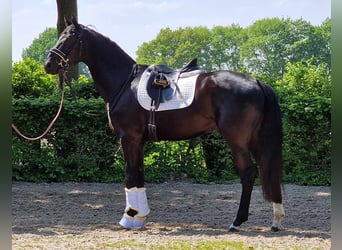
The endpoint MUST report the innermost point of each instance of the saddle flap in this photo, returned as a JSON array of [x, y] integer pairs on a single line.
[[159, 88]]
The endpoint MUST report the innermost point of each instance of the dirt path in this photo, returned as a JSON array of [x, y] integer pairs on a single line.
[[85, 216]]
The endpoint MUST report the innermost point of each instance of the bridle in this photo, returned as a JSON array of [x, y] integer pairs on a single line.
[[64, 60], [64, 64]]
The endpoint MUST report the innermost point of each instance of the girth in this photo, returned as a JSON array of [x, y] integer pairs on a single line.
[[162, 86]]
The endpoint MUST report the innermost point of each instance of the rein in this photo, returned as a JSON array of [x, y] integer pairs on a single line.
[[110, 107], [57, 115], [123, 87]]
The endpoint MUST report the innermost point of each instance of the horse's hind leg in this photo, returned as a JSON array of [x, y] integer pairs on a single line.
[[279, 213], [247, 172], [271, 186]]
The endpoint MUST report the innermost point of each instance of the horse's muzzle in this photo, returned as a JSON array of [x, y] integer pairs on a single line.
[[51, 67]]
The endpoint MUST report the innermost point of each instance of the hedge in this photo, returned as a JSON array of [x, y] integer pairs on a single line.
[[81, 146]]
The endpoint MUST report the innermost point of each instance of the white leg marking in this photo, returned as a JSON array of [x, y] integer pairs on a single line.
[[136, 200], [279, 213], [233, 228]]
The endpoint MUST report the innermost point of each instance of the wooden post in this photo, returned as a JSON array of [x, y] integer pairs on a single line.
[[67, 9]]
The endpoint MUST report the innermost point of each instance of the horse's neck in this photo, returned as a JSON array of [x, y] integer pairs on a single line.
[[109, 68], [108, 79]]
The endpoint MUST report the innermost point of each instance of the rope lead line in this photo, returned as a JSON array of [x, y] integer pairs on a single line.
[[48, 128]]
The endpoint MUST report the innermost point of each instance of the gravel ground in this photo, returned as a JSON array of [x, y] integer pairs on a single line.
[[86, 215]]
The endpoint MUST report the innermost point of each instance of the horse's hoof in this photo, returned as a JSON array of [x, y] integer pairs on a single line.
[[234, 229], [275, 229], [132, 223]]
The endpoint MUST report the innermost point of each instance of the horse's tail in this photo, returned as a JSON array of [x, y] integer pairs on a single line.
[[269, 151]]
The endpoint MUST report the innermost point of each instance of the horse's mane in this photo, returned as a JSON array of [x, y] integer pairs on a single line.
[[103, 43]]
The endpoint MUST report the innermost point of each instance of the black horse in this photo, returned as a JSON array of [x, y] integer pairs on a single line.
[[243, 109]]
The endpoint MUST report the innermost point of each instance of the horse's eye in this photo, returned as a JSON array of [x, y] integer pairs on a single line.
[[76, 34]]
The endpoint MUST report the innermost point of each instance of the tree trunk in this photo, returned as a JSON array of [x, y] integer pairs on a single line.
[[67, 9]]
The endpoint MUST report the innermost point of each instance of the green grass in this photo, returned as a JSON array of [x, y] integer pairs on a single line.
[[188, 245], [179, 245]]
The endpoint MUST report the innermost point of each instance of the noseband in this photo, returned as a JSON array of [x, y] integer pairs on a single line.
[[64, 60]]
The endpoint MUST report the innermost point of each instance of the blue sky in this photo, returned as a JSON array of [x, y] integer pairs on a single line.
[[132, 22]]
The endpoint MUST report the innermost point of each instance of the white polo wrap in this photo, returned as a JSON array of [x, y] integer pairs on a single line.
[[136, 199]]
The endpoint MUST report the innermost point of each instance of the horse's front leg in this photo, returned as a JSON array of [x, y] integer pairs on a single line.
[[136, 201]]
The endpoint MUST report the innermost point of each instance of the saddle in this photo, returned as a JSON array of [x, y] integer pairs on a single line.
[[162, 83], [162, 86]]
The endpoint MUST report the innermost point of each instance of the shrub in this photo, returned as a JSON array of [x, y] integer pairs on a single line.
[[30, 79], [305, 97], [80, 146]]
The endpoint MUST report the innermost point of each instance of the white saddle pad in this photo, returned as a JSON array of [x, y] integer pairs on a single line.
[[186, 87]]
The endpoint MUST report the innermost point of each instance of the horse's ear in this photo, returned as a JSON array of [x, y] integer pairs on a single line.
[[75, 22]]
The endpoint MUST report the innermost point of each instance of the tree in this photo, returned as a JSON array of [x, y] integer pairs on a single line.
[[325, 43], [225, 43], [66, 10], [193, 43], [177, 47], [39, 47], [263, 53], [310, 42], [271, 42]]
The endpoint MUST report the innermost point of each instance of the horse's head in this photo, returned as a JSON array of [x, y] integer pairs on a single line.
[[67, 50]]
